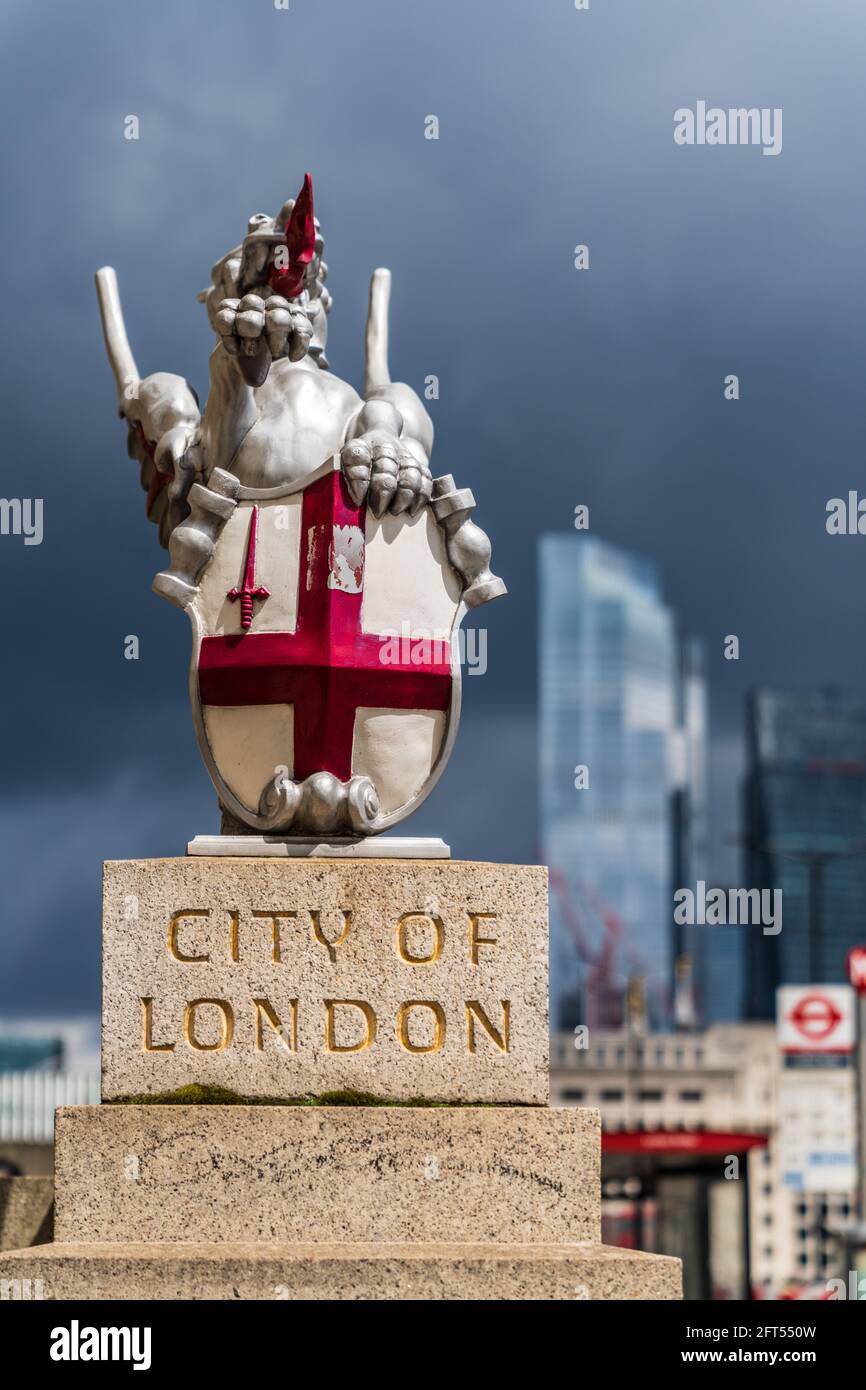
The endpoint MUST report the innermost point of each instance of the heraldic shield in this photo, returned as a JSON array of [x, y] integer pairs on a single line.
[[325, 679]]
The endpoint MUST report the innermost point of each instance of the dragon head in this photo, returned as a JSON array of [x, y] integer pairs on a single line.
[[279, 255]]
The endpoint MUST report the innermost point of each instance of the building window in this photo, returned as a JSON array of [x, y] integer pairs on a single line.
[[691, 1095], [650, 1095], [611, 1095], [573, 1095]]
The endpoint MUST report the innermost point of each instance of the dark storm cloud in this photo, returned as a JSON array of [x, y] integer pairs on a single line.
[[557, 387]]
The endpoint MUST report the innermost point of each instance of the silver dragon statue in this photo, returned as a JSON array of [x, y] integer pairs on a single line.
[[324, 569]]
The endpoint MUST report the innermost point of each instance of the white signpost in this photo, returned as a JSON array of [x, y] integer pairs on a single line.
[[817, 1124], [856, 963]]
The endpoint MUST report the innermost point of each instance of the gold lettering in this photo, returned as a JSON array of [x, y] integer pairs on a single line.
[[288, 1035], [174, 923], [315, 918], [331, 1044], [438, 938], [403, 1025], [148, 1045], [474, 939], [473, 1008], [227, 1025], [233, 935], [274, 918]]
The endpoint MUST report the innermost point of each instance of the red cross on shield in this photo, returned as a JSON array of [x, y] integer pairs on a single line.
[[324, 643]]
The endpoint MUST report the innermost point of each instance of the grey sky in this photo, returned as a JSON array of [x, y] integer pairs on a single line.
[[557, 387]]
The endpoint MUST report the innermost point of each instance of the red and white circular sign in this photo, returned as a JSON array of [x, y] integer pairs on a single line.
[[816, 1018]]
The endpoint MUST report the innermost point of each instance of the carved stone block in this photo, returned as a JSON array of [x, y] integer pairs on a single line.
[[288, 978]]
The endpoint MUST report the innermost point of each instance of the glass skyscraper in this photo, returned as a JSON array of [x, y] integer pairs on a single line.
[[805, 817], [622, 770]]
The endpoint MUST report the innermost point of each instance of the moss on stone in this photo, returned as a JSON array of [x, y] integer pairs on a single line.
[[197, 1094]]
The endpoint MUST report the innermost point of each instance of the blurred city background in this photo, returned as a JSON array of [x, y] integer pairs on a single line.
[[618, 734]]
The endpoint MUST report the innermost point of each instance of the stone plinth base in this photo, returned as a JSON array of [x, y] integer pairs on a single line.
[[359, 1272], [326, 1173], [329, 1202]]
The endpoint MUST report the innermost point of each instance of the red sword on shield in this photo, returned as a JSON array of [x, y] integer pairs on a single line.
[[250, 590]]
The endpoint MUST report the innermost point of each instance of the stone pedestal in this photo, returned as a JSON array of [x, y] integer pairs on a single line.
[[376, 1034]]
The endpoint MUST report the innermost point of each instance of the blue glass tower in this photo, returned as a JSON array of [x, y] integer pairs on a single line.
[[620, 698]]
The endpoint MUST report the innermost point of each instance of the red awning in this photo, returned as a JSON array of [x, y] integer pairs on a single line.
[[680, 1141]]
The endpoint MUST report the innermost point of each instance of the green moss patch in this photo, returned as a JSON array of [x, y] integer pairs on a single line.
[[219, 1095]]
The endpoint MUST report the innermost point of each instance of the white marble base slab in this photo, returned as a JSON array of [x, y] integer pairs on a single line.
[[308, 847]]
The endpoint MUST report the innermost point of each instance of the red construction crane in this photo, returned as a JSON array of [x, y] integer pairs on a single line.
[[603, 996]]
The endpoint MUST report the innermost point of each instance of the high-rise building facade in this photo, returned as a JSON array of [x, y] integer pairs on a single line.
[[805, 834], [622, 774]]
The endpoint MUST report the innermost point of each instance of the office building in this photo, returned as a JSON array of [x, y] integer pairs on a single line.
[[622, 777], [805, 834]]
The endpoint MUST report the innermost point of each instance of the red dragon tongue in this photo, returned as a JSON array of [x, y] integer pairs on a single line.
[[301, 244], [301, 231]]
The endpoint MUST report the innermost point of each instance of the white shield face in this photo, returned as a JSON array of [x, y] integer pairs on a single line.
[[323, 643]]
